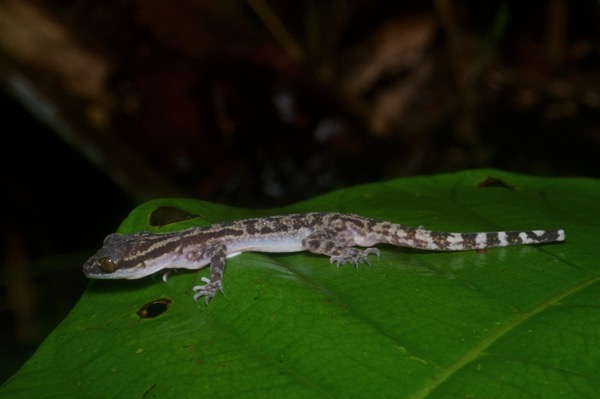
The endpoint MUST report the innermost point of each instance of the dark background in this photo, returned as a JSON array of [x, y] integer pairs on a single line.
[[104, 105]]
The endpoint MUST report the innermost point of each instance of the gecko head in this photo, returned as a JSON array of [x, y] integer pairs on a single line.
[[119, 258]]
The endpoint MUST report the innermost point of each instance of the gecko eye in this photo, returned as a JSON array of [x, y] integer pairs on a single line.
[[107, 265]]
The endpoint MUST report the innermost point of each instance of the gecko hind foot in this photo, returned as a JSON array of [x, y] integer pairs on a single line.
[[208, 290], [354, 256]]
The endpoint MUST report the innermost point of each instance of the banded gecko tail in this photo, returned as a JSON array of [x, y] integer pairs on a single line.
[[443, 241]]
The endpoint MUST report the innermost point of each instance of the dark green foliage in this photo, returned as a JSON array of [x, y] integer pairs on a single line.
[[510, 322]]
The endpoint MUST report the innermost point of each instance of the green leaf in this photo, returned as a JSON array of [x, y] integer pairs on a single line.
[[510, 322]]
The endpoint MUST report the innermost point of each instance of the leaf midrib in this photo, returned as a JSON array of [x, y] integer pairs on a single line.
[[445, 373]]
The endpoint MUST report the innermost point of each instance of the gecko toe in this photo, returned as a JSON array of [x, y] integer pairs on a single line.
[[354, 257], [208, 290]]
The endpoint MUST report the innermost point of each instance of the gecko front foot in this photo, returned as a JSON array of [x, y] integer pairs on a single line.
[[354, 256], [208, 290]]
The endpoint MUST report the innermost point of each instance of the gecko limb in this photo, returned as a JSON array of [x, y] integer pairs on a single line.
[[217, 254], [338, 245], [354, 256]]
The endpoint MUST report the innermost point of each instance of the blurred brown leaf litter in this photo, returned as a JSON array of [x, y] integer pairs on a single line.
[[262, 103]]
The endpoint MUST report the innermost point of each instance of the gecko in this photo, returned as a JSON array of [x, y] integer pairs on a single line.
[[137, 255]]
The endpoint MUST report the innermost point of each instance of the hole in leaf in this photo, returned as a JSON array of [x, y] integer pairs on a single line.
[[492, 181], [154, 308], [164, 215]]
